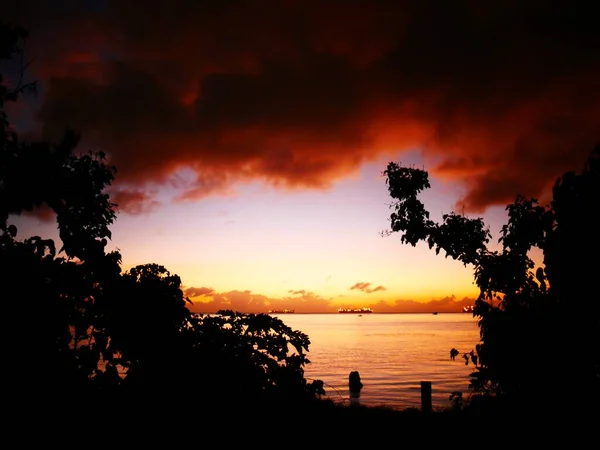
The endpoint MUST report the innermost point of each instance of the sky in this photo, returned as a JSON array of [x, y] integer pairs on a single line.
[[250, 137]]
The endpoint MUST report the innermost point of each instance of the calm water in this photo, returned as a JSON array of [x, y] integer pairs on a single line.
[[392, 352]]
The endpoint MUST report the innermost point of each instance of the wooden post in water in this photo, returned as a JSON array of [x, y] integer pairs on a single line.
[[426, 396]]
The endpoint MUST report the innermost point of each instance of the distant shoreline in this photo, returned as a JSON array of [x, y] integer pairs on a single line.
[[347, 314]]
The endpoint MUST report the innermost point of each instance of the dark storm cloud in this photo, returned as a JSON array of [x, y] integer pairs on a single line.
[[500, 96]]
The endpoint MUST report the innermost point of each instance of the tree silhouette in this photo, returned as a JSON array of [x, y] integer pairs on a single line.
[[49, 299], [539, 327], [82, 332]]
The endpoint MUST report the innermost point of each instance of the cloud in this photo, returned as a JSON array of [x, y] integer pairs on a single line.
[[43, 213], [207, 300], [448, 304], [130, 201], [134, 201], [198, 292], [246, 301], [307, 302], [499, 96], [365, 287], [300, 292]]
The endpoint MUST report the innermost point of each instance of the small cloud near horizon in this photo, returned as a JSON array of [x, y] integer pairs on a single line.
[[365, 287], [300, 292], [198, 292]]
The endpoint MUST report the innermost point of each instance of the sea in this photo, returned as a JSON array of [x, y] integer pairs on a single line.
[[393, 354]]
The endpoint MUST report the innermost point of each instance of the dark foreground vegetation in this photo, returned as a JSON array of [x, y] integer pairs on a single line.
[[88, 344], [539, 327]]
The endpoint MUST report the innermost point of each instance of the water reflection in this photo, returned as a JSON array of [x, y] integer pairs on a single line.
[[392, 352]]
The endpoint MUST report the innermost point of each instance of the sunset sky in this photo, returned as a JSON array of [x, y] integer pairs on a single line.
[[250, 136]]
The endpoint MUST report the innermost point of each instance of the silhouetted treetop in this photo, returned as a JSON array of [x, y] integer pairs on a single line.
[[460, 237]]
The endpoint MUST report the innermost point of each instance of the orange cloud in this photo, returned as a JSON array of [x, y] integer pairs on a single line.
[[365, 287], [501, 97], [304, 301], [198, 292], [447, 304], [244, 301], [206, 300], [134, 201]]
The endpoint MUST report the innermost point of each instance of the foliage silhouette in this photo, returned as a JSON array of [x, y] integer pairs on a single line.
[[81, 330], [539, 328], [49, 299]]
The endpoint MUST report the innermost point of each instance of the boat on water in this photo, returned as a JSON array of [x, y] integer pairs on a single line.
[[467, 308], [355, 310], [281, 311]]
